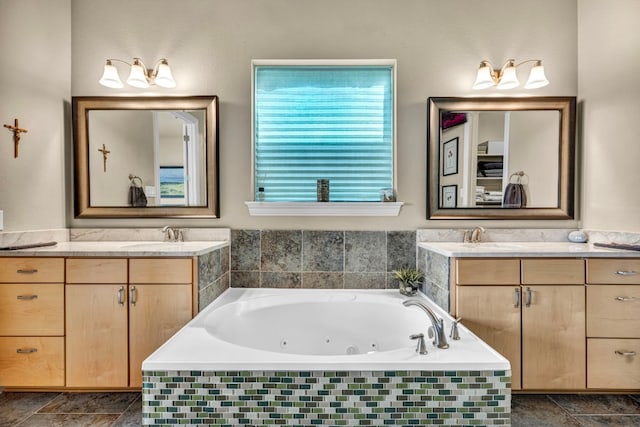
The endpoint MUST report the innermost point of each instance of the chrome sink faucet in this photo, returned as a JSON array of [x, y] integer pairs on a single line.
[[474, 236], [440, 339], [172, 234]]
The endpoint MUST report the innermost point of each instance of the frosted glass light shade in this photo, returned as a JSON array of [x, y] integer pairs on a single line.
[[138, 76], [509, 78], [484, 79], [536, 77], [110, 77], [164, 78]]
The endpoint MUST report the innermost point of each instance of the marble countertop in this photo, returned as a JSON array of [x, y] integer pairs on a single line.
[[121, 249], [526, 249]]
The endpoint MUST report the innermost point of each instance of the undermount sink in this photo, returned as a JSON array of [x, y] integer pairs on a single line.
[[495, 245], [156, 245]]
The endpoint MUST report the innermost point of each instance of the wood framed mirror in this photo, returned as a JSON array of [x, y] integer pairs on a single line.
[[142, 157], [501, 158]]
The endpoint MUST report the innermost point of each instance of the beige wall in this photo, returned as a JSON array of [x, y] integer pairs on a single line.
[[35, 65], [609, 87], [128, 135], [210, 45], [533, 142]]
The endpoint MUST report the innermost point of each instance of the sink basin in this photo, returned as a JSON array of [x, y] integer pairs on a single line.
[[495, 245], [157, 245]]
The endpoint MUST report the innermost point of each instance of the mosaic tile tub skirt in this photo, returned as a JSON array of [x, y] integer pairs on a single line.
[[326, 398]]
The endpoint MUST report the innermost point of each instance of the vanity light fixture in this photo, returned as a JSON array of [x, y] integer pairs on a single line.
[[139, 75], [506, 77]]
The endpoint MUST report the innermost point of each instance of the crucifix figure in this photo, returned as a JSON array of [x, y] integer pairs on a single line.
[[16, 136], [104, 152]]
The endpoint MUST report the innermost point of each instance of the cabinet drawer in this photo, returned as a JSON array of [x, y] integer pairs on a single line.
[[552, 271], [96, 270], [31, 309], [32, 361], [160, 270], [488, 271], [613, 311], [615, 271], [31, 270], [608, 369]]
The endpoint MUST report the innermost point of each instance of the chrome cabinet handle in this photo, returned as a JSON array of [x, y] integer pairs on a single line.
[[529, 297], [121, 295], [132, 295], [625, 353], [516, 297], [26, 350], [625, 299], [626, 273], [30, 271], [27, 297]]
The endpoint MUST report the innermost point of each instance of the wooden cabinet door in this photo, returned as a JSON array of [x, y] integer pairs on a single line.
[[553, 337], [493, 314], [96, 336], [156, 312]]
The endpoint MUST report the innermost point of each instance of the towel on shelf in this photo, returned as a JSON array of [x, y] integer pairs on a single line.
[[515, 196], [489, 165], [490, 173], [137, 198]]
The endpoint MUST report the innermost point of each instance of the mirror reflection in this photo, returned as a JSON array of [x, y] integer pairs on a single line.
[[161, 153], [151, 157], [501, 157]]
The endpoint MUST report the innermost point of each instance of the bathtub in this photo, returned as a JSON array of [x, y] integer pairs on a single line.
[[307, 356]]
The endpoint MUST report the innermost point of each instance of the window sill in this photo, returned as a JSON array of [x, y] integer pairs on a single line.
[[324, 209]]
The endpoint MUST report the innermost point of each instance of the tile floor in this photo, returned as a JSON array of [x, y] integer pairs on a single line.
[[124, 409]]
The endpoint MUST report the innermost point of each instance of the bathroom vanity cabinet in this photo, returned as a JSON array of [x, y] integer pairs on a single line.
[[85, 314], [32, 322], [566, 323], [530, 310], [613, 323], [118, 312]]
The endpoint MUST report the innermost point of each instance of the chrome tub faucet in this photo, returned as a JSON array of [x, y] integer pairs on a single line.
[[440, 338]]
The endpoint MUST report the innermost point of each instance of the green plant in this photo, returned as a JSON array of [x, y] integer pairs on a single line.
[[408, 275]]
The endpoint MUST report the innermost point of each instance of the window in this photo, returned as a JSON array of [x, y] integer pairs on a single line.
[[323, 120]]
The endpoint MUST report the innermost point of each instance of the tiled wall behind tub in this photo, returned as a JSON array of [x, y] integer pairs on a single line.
[[320, 259], [213, 276]]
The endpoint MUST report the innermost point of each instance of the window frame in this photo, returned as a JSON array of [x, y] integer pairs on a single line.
[[329, 63]]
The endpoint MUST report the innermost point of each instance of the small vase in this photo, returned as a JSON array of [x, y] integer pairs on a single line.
[[408, 289]]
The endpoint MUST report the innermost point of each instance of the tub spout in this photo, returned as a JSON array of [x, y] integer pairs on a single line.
[[440, 339]]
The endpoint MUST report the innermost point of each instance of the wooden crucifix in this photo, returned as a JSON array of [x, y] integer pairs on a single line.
[[16, 136], [104, 152]]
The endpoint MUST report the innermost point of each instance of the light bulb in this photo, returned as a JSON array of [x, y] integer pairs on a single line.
[[110, 77], [138, 75], [164, 78], [536, 77]]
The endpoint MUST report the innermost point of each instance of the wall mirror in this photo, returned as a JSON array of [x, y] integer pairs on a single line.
[[146, 157], [500, 158]]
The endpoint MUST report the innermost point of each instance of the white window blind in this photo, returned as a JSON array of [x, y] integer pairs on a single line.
[[323, 122]]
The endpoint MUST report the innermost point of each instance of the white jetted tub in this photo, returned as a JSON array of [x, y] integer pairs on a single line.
[[256, 354]]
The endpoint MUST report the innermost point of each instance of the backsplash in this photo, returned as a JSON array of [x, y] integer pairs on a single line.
[[320, 259]]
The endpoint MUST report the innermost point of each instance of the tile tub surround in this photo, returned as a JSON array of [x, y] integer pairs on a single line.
[[319, 259], [437, 271], [294, 398], [205, 374], [213, 275]]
